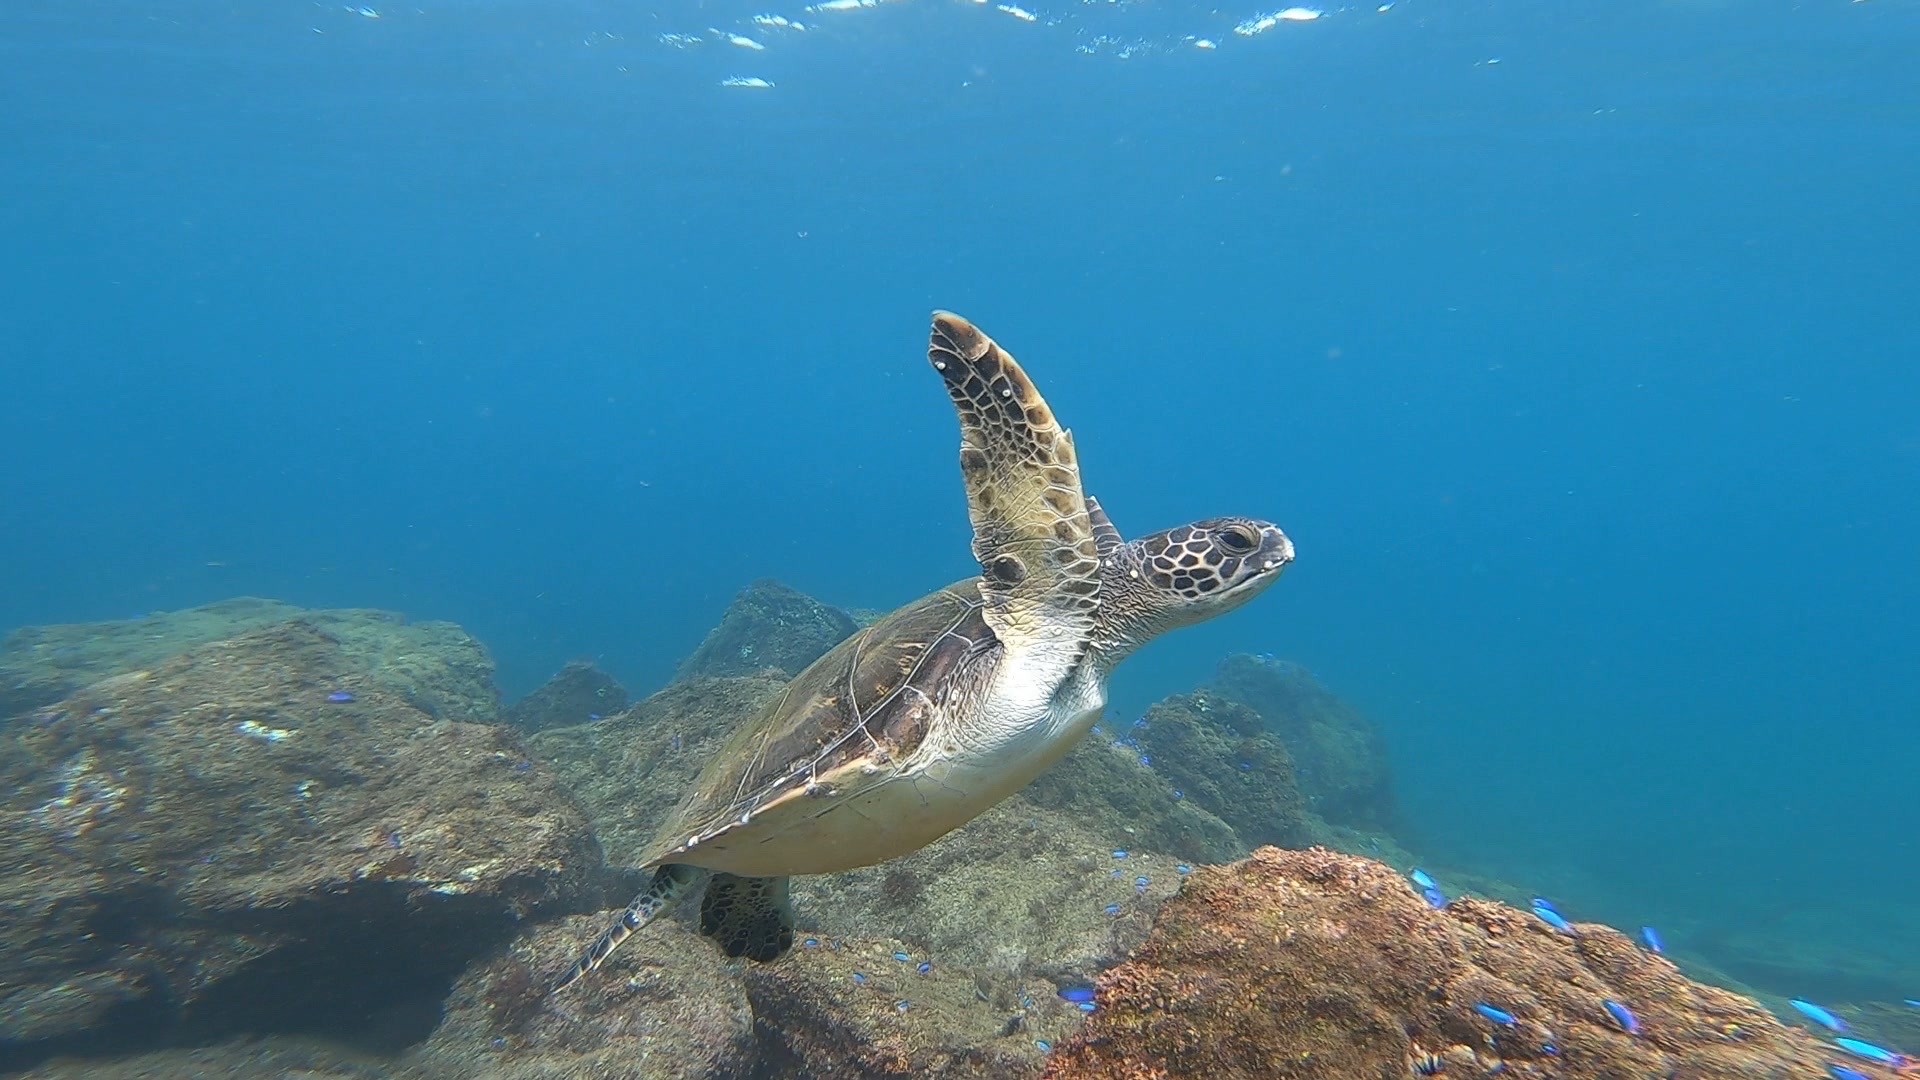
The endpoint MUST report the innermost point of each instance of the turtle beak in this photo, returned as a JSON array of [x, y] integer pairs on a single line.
[[1276, 551]]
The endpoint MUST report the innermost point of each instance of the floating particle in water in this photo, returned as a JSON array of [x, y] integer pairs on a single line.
[[1043, 1046], [1183, 869], [1076, 994], [1119, 853], [1112, 909], [1497, 1015], [1086, 1006], [925, 966], [1652, 937], [340, 697], [1623, 1016], [902, 957]]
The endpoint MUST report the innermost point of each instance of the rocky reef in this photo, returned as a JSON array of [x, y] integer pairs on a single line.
[[768, 626], [1339, 758], [1310, 964], [579, 693], [265, 832]]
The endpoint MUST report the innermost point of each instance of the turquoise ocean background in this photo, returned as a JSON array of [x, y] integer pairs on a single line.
[[1572, 343]]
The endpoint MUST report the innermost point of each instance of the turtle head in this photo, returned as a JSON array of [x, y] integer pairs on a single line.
[[1183, 576]]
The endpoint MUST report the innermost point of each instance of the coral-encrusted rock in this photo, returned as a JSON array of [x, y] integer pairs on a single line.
[[1339, 758], [1219, 754], [1310, 964], [435, 666], [1107, 789], [768, 626], [217, 829], [580, 694]]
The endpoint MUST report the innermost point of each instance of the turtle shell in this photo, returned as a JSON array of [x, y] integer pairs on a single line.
[[867, 703]]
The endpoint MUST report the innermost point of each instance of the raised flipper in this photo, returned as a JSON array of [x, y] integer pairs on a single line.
[[1031, 531], [671, 882], [748, 916]]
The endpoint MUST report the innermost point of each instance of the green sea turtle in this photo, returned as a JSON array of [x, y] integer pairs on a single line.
[[923, 720]]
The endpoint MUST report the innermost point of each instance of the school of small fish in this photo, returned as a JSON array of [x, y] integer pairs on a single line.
[[1624, 1019]]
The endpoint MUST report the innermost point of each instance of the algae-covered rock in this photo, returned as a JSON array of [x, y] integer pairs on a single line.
[[664, 1007], [1106, 788], [768, 626], [261, 828], [579, 694], [1309, 965], [1339, 758], [435, 665], [1220, 756]]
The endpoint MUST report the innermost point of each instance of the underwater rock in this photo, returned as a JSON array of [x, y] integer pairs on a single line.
[[1219, 754], [851, 1008], [266, 833], [666, 1005], [1339, 758], [1107, 789], [1311, 964], [435, 665], [580, 694], [767, 626]]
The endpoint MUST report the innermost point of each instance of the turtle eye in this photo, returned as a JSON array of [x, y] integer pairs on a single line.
[[1237, 539]]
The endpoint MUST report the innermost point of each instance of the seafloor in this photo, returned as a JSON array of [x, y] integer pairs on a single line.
[[249, 840]]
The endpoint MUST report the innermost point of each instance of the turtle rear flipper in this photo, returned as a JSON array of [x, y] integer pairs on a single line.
[[1031, 531], [748, 916], [671, 882]]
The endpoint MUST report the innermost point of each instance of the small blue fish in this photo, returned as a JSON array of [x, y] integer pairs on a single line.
[[1913, 1003], [1498, 1016], [1543, 902], [1112, 909], [1871, 1052], [1423, 879], [1246, 766], [1119, 854], [340, 697], [1819, 1015], [1178, 794], [902, 1005], [902, 957], [1436, 899], [1043, 1046], [810, 943], [1076, 994], [1552, 918], [1841, 1072], [1086, 1006], [859, 979], [1623, 1016], [1146, 760], [1142, 881], [1652, 937], [1184, 869], [925, 966]]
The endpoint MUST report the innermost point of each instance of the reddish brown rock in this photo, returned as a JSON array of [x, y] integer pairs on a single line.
[[1315, 966]]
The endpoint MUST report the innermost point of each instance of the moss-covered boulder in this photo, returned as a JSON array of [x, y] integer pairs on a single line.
[[1220, 756], [579, 694], [1339, 758], [261, 831], [768, 626]]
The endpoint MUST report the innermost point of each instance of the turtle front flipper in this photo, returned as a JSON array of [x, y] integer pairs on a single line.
[[671, 882], [1031, 531], [748, 916]]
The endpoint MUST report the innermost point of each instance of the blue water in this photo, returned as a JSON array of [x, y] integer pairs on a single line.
[[1571, 343]]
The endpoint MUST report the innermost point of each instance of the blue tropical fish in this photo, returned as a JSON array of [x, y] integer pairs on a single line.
[[1871, 1052], [1623, 1016], [1819, 1015], [1497, 1015], [1652, 937], [1423, 879], [1841, 1072]]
